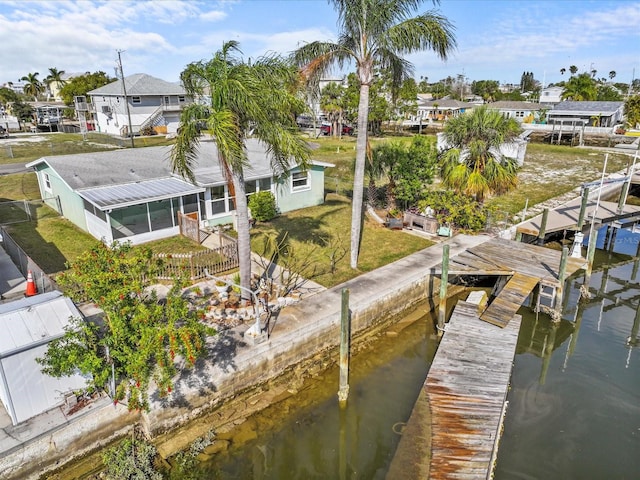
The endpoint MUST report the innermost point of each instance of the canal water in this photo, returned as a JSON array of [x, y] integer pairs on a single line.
[[574, 404]]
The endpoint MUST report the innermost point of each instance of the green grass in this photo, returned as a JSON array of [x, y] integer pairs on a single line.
[[19, 186], [552, 170], [26, 149], [310, 229]]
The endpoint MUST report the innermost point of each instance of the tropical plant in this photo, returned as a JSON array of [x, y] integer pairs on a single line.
[[580, 88], [573, 69], [263, 206], [141, 336], [374, 33], [55, 76], [473, 163], [563, 71], [632, 111], [332, 102], [612, 74], [80, 85], [132, 458], [455, 208], [255, 98], [33, 86]]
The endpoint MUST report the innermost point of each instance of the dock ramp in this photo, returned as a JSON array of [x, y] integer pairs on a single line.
[[509, 300]]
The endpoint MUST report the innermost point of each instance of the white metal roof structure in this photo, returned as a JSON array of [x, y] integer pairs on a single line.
[[27, 326]]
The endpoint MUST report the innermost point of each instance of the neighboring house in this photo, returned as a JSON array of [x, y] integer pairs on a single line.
[[521, 111], [28, 325], [595, 114], [153, 104], [132, 195], [55, 87], [438, 110], [551, 95]]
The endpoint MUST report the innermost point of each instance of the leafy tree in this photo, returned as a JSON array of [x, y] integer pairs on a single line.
[[22, 111], [527, 82], [141, 336], [255, 98], [409, 168], [473, 164], [406, 97], [423, 86], [580, 88], [374, 32], [33, 86], [451, 207], [612, 75], [487, 89], [608, 93], [632, 111], [7, 96], [573, 69], [80, 85], [440, 90]]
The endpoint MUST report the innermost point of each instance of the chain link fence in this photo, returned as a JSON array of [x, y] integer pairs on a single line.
[[18, 211]]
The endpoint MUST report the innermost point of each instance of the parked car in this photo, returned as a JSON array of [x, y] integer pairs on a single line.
[[325, 129], [4, 133]]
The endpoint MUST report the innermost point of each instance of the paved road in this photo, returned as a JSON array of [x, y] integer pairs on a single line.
[[12, 168]]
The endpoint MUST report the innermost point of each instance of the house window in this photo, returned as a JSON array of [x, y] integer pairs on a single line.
[[47, 182], [136, 100], [519, 114], [250, 188], [218, 200], [300, 181], [106, 109], [264, 184], [181, 98]]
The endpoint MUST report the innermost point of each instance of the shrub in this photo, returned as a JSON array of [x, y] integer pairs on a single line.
[[460, 210], [263, 206]]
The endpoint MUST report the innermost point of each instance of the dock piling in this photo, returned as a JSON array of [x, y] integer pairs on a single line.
[[543, 226], [444, 280], [345, 327]]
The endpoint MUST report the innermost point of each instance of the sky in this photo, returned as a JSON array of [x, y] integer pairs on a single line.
[[496, 40]]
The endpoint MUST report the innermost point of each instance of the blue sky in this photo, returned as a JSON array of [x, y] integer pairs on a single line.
[[497, 40]]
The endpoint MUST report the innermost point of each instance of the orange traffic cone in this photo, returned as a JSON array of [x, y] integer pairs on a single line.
[[31, 286]]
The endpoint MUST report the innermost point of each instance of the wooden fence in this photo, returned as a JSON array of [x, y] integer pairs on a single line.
[[193, 264]]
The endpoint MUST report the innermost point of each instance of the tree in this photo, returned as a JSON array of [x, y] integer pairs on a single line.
[[55, 76], [487, 89], [473, 163], [563, 71], [607, 93], [140, 337], [7, 96], [580, 88], [33, 86], [22, 111], [527, 82], [632, 111], [332, 101], [80, 85], [612, 74], [374, 33], [255, 98], [573, 69]]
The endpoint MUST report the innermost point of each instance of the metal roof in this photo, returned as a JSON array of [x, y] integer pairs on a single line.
[[586, 108], [140, 84], [27, 326], [117, 196]]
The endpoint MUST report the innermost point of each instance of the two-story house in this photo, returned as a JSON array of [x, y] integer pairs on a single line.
[[149, 104]]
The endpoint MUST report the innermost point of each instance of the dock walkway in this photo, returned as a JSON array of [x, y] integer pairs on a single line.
[[464, 392]]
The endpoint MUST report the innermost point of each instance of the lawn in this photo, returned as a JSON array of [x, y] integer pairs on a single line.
[[317, 232], [26, 148]]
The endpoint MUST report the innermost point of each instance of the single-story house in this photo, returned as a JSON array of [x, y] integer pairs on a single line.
[[438, 110], [595, 114], [132, 195], [528, 112], [28, 325]]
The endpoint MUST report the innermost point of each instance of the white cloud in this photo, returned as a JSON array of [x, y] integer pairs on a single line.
[[213, 16]]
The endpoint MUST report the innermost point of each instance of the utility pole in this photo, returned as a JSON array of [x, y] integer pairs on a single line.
[[126, 102]]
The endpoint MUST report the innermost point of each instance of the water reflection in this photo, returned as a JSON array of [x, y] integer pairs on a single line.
[[310, 437], [574, 405]]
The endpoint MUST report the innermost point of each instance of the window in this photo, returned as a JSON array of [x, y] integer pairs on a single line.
[[264, 184], [136, 100], [300, 181], [519, 114], [181, 98], [47, 182], [106, 109]]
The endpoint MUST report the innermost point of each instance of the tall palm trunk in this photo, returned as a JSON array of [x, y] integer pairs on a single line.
[[358, 178], [244, 240]]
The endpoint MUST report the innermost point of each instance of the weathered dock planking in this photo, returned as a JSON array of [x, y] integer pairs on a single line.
[[566, 216], [465, 390], [509, 300]]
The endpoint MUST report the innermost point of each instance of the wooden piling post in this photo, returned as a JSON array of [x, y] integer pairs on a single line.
[[543, 226], [583, 208], [518, 236], [444, 280], [623, 196], [636, 326], [558, 304], [345, 327]]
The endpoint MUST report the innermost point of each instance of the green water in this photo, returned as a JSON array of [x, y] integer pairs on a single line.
[[574, 404]]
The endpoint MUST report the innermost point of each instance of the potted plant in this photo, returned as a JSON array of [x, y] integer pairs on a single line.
[[222, 286]]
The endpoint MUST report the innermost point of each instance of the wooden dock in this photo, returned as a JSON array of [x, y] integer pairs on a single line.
[[465, 393]]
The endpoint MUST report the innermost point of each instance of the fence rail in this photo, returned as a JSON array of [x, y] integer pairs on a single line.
[[18, 211], [194, 264]]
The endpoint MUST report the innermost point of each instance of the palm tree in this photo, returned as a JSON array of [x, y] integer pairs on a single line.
[[246, 99], [562, 71], [573, 69], [612, 74], [473, 164], [55, 76], [580, 88], [33, 85], [374, 33]]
